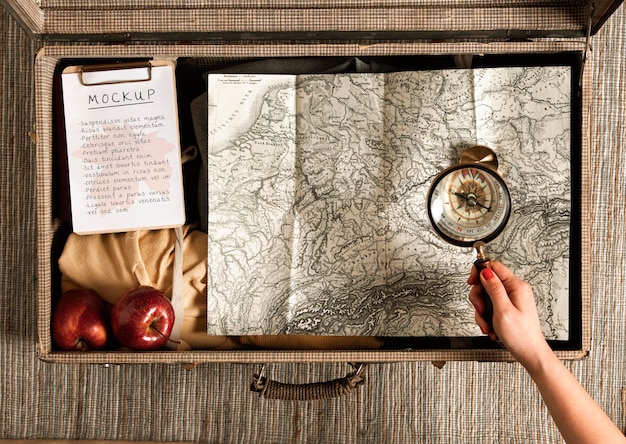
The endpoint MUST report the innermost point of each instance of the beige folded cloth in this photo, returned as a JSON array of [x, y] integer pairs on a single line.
[[112, 264]]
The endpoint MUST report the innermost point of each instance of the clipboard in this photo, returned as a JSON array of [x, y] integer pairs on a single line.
[[123, 146]]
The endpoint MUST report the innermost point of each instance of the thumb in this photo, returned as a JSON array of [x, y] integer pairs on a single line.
[[492, 284]]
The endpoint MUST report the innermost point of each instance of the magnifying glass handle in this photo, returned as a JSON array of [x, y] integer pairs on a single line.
[[482, 262], [487, 314]]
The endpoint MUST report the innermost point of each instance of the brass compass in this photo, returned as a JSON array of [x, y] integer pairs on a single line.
[[469, 202]]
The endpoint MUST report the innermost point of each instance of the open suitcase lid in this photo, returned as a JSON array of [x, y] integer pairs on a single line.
[[210, 20]]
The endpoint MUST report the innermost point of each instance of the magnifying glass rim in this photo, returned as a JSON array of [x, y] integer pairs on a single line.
[[468, 243]]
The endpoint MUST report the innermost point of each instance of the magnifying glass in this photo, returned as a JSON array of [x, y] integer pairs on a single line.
[[469, 205]]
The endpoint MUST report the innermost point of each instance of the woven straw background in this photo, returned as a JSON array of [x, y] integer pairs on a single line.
[[400, 402]]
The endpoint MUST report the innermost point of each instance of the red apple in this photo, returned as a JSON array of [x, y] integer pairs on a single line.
[[142, 319], [80, 321]]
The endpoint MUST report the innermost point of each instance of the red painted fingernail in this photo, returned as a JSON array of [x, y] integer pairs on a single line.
[[487, 273]]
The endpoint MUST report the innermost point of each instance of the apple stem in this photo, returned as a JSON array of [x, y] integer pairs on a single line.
[[156, 329]]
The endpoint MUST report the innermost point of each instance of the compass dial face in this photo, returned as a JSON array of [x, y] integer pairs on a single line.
[[468, 203]]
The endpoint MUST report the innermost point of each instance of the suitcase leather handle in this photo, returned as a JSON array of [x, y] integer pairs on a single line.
[[334, 388]]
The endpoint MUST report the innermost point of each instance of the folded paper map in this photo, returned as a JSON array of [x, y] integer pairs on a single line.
[[317, 183]]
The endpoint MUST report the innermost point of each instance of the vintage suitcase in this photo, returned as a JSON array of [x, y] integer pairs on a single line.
[[218, 34]]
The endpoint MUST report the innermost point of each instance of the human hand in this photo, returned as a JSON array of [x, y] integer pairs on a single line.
[[516, 324], [515, 320]]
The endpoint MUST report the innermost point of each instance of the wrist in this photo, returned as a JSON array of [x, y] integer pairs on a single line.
[[540, 361]]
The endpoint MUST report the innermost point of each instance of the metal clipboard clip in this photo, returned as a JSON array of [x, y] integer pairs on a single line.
[[107, 74]]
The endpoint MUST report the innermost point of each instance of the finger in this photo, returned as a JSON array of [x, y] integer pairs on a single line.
[[506, 276], [476, 299], [495, 288], [473, 277], [519, 291], [484, 326]]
